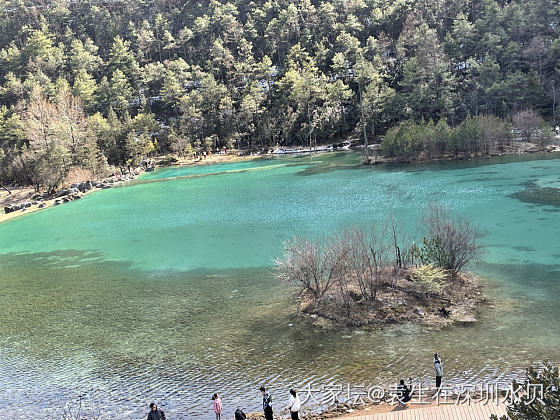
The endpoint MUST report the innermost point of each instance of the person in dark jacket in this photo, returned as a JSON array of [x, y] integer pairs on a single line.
[[267, 404], [155, 413], [240, 415], [403, 393]]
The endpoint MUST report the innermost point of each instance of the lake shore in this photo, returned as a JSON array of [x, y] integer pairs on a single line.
[[23, 194], [25, 200]]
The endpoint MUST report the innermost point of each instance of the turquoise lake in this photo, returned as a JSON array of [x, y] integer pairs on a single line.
[[162, 290]]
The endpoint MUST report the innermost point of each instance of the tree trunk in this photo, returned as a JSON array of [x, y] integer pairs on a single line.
[[3, 187], [309, 126], [554, 103], [363, 123]]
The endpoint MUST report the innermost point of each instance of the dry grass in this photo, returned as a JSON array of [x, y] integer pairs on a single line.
[[17, 195], [397, 301]]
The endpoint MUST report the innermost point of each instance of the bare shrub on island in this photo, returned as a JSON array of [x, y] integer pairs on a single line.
[[315, 265], [367, 259], [452, 242]]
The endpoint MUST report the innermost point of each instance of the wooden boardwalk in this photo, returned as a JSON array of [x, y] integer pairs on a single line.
[[441, 412]]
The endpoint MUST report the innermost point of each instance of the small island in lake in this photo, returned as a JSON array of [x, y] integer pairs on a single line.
[[359, 278]]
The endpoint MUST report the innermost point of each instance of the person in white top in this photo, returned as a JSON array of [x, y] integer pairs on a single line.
[[294, 405], [438, 366]]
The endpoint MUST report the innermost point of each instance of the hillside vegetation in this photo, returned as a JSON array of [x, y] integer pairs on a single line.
[[91, 83]]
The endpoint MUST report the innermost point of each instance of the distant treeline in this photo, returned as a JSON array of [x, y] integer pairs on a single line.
[[161, 76]]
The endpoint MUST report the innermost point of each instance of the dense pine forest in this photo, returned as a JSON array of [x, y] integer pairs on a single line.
[[84, 84]]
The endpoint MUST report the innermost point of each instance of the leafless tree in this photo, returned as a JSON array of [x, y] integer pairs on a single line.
[[39, 119], [457, 238], [494, 132], [315, 265], [367, 258], [526, 123], [70, 124], [400, 241]]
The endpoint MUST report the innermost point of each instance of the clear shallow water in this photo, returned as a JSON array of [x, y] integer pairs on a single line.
[[161, 290]]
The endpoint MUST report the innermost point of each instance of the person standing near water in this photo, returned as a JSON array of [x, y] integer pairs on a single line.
[[217, 406], [267, 404], [438, 367], [155, 413], [294, 405]]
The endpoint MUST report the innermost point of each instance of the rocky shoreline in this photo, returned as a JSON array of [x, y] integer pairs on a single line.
[[39, 201], [15, 205]]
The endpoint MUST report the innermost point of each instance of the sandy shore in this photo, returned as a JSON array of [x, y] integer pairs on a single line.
[[19, 195], [22, 192]]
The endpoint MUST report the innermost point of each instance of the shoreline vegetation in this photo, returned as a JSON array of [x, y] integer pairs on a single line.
[[476, 136], [379, 276]]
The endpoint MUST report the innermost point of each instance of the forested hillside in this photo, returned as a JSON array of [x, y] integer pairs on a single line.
[[83, 83]]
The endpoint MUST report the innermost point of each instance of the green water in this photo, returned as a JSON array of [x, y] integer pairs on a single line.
[[162, 289]]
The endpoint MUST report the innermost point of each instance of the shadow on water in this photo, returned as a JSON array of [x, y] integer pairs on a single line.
[[353, 160], [538, 195], [321, 163]]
